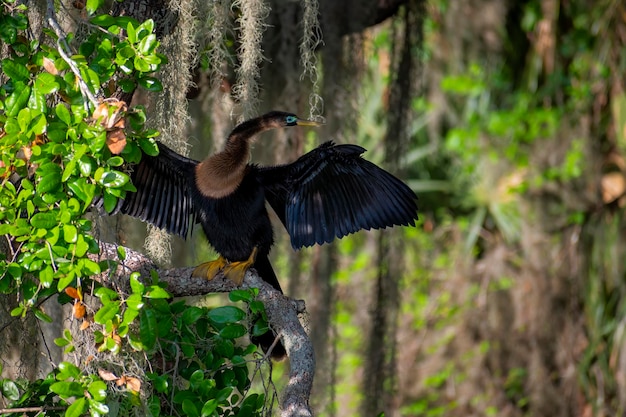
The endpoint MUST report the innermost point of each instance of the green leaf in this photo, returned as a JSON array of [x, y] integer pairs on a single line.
[[146, 28], [147, 44], [149, 146], [65, 281], [46, 83], [103, 20], [8, 34], [77, 408], [63, 113], [44, 220], [132, 34], [61, 341], [115, 161], [68, 370], [110, 201], [227, 314], [136, 285], [107, 312], [82, 190], [15, 71], [15, 270], [121, 254], [98, 390], [190, 408], [17, 311], [46, 276], [50, 180], [260, 327], [9, 389], [191, 315], [68, 170], [86, 165], [135, 302], [154, 291], [141, 64], [42, 316], [37, 101], [114, 179], [257, 306], [70, 233], [67, 389], [93, 5], [17, 100], [233, 331], [148, 328], [23, 119], [209, 407], [38, 125], [240, 295], [97, 408], [225, 348], [105, 294], [150, 83]]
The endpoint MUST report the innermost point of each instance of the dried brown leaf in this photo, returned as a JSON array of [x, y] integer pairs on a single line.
[[79, 309], [107, 375], [133, 384], [73, 292], [116, 141], [49, 66]]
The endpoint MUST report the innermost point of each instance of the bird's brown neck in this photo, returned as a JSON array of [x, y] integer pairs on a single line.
[[220, 174]]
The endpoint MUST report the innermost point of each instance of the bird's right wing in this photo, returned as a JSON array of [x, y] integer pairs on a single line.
[[164, 196]]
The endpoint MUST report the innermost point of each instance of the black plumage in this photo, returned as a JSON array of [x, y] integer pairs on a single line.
[[327, 193]]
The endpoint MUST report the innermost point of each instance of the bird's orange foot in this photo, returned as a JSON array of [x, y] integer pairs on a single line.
[[210, 269], [236, 271]]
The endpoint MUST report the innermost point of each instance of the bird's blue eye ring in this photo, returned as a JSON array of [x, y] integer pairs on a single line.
[[291, 119]]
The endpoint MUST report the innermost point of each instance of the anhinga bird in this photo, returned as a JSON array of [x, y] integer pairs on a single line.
[[327, 193]]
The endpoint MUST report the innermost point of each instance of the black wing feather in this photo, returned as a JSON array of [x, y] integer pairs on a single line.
[[331, 192], [164, 196]]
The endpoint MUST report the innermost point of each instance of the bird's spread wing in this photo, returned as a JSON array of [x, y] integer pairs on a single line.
[[332, 192], [164, 191]]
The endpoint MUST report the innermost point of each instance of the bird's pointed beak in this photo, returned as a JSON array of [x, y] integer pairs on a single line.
[[303, 122]]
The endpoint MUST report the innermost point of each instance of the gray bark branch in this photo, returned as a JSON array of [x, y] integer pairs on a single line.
[[282, 313]]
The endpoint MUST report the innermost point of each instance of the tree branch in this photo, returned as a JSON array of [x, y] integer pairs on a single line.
[[282, 313]]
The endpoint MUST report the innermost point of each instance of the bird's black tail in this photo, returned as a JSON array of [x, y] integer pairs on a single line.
[[265, 341]]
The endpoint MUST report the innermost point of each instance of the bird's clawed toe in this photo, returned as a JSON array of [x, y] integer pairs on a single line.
[[234, 271], [210, 269]]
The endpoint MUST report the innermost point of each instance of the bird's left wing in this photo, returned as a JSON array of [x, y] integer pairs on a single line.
[[332, 192], [164, 196]]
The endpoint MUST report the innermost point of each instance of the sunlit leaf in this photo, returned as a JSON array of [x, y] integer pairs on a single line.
[[77, 408], [107, 312], [44, 220]]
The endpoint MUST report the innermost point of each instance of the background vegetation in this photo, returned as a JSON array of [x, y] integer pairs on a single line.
[[507, 118]]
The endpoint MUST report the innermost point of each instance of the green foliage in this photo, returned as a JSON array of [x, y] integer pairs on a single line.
[[55, 158], [212, 366], [60, 152]]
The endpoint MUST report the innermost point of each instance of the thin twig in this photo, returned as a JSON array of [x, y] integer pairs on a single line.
[[62, 46], [31, 409]]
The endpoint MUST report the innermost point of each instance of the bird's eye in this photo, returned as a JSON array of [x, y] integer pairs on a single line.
[[291, 119]]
